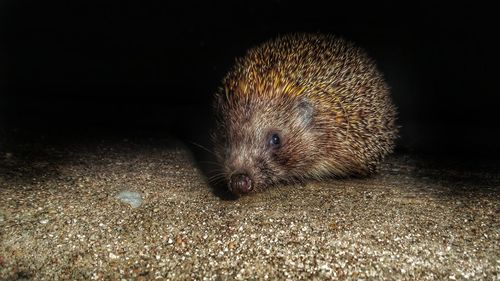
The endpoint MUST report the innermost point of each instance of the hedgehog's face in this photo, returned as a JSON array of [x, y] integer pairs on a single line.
[[260, 143]]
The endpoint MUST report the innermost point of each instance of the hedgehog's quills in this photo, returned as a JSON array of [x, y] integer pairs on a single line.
[[302, 107]]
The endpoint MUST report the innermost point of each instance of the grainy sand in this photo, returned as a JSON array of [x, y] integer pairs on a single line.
[[60, 219]]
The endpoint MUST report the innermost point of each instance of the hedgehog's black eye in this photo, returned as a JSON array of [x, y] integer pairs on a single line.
[[274, 141]]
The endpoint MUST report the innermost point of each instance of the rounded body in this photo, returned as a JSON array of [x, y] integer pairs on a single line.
[[300, 107]]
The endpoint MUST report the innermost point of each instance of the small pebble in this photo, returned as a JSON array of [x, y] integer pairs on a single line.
[[134, 199]]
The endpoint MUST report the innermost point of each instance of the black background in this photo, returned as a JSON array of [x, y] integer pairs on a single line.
[[85, 68]]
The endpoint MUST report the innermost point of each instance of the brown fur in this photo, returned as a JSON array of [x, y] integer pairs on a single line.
[[324, 97]]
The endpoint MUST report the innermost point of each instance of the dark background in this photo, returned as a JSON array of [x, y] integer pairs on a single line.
[[80, 68]]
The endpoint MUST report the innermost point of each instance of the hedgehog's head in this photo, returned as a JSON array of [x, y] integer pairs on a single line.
[[264, 138]]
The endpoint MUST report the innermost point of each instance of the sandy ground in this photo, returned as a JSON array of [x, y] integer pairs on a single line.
[[60, 219]]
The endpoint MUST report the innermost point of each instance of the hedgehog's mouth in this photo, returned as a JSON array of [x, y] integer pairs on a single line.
[[240, 184]]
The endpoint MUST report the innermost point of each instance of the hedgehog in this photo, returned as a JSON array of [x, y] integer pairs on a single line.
[[301, 107]]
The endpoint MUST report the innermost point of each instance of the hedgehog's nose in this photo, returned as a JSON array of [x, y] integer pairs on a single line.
[[240, 184]]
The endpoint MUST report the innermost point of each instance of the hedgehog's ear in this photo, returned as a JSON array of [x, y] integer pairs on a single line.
[[306, 111], [220, 98]]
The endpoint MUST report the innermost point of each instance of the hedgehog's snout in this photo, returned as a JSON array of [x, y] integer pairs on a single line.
[[240, 184]]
